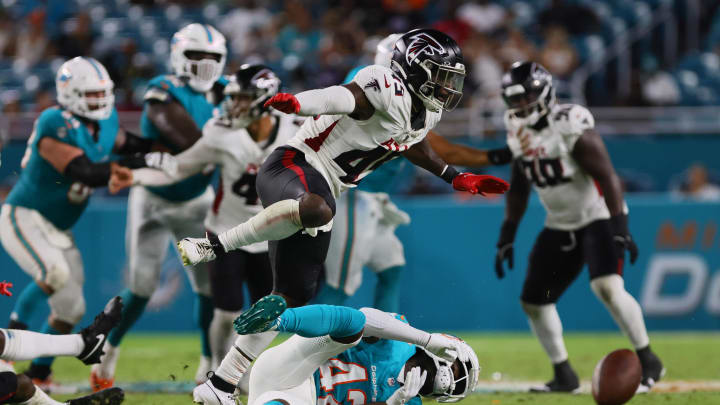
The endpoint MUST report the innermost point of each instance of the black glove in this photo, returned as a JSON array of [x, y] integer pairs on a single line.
[[505, 247], [622, 238], [500, 156]]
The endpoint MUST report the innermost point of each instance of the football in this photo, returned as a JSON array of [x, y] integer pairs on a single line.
[[616, 377]]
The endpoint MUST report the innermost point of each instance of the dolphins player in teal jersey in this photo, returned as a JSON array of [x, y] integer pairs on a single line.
[[342, 355], [176, 107], [373, 243], [71, 150]]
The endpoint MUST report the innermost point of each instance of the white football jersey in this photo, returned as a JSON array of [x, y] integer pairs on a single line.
[[345, 150], [569, 195], [239, 158]]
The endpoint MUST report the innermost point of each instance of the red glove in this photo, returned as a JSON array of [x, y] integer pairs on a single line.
[[284, 102], [4, 288], [480, 183]]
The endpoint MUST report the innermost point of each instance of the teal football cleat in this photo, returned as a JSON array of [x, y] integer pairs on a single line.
[[262, 315]]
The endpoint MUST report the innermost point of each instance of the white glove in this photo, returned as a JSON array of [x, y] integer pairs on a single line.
[[391, 214], [162, 161], [446, 347], [411, 387]]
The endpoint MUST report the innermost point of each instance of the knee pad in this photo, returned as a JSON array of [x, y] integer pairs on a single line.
[[607, 287], [69, 306]]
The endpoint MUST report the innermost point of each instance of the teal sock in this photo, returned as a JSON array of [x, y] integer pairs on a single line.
[[330, 296], [387, 290], [27, 303], [320, 320], [204, 310], [133, 307], [46, 361]]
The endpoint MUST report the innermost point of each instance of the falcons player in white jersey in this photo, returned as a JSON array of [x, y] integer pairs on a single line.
[[237, 141], [382, 114], [556, 149]]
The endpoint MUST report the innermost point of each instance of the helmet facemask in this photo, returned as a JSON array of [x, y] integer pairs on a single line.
[[245, 102], [202, 68], [443, 89], [85, 89], [95, 104], [527, 108], [446, 382]]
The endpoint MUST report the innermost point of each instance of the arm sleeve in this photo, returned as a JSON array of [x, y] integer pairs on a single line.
[[330, 100], [91, 174], [385, 326], [134, 144], [191, 161]]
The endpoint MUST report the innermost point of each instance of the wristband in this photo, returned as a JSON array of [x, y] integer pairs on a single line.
[[449, 173], [217, 246], [619, 224], [500, 156]]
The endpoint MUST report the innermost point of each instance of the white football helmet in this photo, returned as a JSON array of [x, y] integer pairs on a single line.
[[84, 88], [383, 54], [450, 386], [201, 73]]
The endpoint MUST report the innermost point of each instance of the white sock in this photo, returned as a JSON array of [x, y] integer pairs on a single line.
[[40, 398], [275, 222], [220, 334], [108, 362], [25, 345], [545, 324], [245, 350], [623, 307]]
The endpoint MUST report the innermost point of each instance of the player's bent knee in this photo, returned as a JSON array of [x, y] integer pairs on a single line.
[[314, 211], [24, 389], [608, 287], [57, 275], [534, 310]]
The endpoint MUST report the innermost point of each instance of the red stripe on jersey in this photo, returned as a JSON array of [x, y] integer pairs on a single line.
[[597, 186], [218, 197], [315, 142], [620, 266], [287, 161]]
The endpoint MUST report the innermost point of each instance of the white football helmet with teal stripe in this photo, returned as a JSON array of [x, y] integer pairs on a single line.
[[198, 53], [84, 88]]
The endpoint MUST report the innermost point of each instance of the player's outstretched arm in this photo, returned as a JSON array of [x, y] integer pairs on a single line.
[[516, 201], [72, 163], [462, 155], [592, 156], [347, 99], [422, 154], [176, 126]]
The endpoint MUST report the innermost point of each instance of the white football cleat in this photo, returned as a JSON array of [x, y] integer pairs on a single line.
[[207, 394], [195, 250]]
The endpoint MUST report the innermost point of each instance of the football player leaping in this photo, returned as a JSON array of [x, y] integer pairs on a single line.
[[366, 218], [238, 141], [71, 150], [383, 113], [341, 355], [558, 151], [176, 107], [18, 345]]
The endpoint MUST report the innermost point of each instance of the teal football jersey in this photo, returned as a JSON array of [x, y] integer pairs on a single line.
[[163, 88], [42, 188], [384, 177], [363, 374]]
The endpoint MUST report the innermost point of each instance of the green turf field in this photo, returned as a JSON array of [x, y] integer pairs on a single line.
[[509, 362]]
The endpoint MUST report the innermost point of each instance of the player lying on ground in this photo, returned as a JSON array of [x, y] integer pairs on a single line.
[[557, 150], [18, 345], [71, 151], [366, 218], [175, 108], [238, 141], [384, 113], [342, 355]]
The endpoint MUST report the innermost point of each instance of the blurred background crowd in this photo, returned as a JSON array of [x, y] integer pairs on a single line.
[[601, 53]]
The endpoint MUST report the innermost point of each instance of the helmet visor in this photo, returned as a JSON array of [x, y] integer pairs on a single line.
[[448, 84], [522, 103]]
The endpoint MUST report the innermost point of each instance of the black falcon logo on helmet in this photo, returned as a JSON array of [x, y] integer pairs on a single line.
[[423, 43]]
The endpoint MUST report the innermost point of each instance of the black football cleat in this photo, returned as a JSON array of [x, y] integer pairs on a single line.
[[110, 396], [652, 368], [566, 380], [95, 335]]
